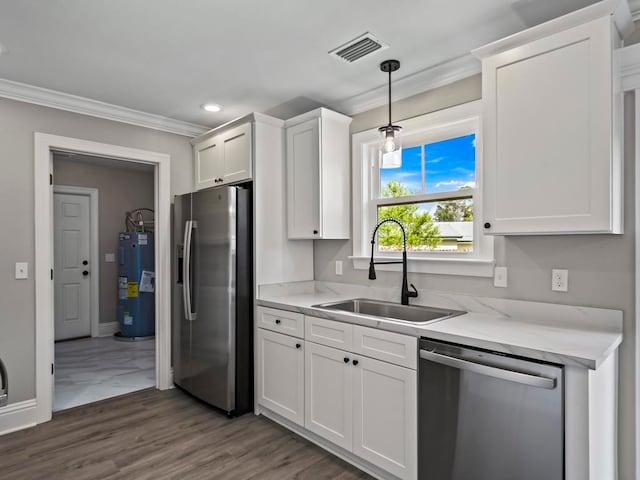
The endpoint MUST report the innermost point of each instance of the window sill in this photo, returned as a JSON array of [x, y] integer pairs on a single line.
[[439, 266]]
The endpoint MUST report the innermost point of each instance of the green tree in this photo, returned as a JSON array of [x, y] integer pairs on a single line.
[[455, 210], [421, 231]]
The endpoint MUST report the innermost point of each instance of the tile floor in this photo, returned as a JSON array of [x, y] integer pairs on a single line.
[[92, 369]]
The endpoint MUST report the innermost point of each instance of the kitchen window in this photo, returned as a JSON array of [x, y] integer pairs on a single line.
[[435, 193]]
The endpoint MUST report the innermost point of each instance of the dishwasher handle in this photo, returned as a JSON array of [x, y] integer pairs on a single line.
[[509, 375], [4, 390]]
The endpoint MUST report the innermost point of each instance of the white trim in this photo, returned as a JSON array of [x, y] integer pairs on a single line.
[[628, 60], [471, 267], [43, 145], [94, 228], [23, 92], [618, 8], [419, 82], [108, 329], [17, 416], [637, 267]]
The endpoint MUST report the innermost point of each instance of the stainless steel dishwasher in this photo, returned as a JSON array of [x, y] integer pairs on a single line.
[[488, 416]]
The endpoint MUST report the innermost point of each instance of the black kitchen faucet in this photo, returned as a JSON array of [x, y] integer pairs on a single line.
[[406, 293]]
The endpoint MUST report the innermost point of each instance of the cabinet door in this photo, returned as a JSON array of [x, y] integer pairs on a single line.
[[303, 181], [385, 416], [281, 374], [208, 163], [328, 393], [236, 144], [548, 163]]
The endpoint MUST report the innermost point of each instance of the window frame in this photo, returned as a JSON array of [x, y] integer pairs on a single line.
[[432, 127]]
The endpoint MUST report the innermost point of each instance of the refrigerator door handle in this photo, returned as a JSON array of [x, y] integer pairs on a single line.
[[186, 271]]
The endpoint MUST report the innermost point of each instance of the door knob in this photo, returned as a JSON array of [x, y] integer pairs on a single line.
[[85, 273], [298, 345], [346, 360], [84, 262], [277, 321], [355, 362]]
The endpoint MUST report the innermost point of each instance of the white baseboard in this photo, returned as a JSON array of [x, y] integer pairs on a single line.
[[18, 416], [108, 329]]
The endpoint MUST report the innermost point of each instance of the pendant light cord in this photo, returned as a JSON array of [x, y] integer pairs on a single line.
[[389, 96]]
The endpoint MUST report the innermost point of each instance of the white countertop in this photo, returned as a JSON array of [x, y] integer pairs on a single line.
[[564, 334]]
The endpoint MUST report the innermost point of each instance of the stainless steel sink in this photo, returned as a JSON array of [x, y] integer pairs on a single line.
[[395, 311]]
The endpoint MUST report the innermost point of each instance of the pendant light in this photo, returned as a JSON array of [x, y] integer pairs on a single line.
[[390, 144]]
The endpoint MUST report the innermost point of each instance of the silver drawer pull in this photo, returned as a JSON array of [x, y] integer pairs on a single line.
[[509, 375]]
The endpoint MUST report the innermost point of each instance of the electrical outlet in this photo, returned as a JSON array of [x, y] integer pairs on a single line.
[[559, 280], [338, 267], [22, 270], [500, 277], [109, 257]]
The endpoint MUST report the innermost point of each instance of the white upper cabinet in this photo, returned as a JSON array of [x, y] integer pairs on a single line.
[[224, 157], [318, 175], [551, 148]]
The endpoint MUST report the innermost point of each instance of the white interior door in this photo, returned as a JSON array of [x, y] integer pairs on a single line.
[[72, 254]]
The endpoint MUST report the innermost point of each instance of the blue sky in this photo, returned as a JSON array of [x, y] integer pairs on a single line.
[[449, 165]]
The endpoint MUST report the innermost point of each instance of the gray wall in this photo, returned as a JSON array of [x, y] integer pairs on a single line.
[[601, 267], [119, 190], [18, 122]]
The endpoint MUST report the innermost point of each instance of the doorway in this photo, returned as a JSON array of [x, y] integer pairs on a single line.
[[46, 147], [93, 203]]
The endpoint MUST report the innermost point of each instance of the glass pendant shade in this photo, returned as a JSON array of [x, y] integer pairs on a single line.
[[390, 144], [390, 147]]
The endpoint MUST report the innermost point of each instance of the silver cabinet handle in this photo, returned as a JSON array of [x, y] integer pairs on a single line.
[[4, 391], [186, 271], [509, 375]]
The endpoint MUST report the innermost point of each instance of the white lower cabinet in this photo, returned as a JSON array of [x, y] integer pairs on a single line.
[[364, 405], [385, 416], [328, 394], [281, 374]]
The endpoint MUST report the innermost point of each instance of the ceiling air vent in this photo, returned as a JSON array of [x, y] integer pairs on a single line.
[[358, 48]]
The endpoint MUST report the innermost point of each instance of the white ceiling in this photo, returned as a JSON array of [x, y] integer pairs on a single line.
[[168, 57]]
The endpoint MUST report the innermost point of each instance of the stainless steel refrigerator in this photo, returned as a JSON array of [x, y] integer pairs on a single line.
[[213, 297]]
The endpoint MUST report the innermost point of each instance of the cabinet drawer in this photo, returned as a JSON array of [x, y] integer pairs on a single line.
[[328, 332], [289, 323], [386, 346]]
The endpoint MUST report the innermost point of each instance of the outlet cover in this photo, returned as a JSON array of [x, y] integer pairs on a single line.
[[109, 257], [559, 280], [500, 277], [22, 270]]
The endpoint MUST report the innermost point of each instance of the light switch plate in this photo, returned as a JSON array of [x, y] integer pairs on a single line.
[[500, 277], [22, 270], [338, 267], [109, 257]]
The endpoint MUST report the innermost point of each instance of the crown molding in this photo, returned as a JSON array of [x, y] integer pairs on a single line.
[[628, 62], [428, 79], [23, 92]]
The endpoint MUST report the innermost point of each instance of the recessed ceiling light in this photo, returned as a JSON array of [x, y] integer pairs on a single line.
[[211, 107]]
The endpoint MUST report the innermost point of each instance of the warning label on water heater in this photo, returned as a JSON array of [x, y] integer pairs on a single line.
[[132, 289]]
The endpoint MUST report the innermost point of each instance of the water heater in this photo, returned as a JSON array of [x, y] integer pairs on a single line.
[[136, 285]]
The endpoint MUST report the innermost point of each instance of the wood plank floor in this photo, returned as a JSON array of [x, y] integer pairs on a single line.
[[163, 435]]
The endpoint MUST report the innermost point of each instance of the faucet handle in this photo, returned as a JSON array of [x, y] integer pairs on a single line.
[[414, 293]]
